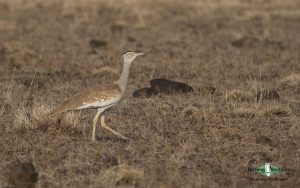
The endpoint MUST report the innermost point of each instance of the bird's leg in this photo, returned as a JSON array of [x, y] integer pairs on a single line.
[[111, 130], [94, 124]]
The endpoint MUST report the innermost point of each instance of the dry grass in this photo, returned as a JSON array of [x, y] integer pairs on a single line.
[[244, 112], [238, 95], [39, 113], [39, 120], [229, 51], [122, 175], [106, 70], [276, 110], [292, 81], [22, 121], [270, 110]]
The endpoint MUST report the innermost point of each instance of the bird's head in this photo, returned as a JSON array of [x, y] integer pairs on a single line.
[[130, 56]]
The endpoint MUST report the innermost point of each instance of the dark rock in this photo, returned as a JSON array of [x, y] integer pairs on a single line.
[[131, 39], [116, 28], [23, 175], [2, 52], [94, 43], [238, 43], [267, 95], [245, 41], [162, 85], [144, 92], [97, 43]]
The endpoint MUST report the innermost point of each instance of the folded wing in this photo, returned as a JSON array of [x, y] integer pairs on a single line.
[[91, 98]]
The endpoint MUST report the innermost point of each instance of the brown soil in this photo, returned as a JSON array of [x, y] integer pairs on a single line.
[[227, 51]]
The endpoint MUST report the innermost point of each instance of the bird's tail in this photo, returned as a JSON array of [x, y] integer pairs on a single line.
[[55, 112]]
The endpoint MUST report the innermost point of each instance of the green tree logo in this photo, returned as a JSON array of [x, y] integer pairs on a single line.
[[268, 170]]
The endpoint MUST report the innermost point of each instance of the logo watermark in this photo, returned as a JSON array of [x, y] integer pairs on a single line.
[[268, 170]]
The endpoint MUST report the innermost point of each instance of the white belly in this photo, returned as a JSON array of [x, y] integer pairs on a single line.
[[100, 104]]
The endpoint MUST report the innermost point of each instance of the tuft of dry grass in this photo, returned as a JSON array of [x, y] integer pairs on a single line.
[[38, 120], [22, 120], [123, 175], [105, 70], [65, 124], [292, 81], [190, 111], [71, 119], [30, 121], [268, 110], [276, 110], [238, 96], [39, 114], [244, 112]]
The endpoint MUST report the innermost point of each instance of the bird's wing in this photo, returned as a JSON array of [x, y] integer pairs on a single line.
[[97, 94]]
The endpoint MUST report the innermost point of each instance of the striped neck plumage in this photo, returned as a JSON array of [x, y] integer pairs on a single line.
[[122, 82]]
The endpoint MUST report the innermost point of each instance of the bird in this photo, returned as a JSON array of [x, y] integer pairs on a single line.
[[100, 97]]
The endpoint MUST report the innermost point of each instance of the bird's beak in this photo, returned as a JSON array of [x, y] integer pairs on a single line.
[[140, 54]]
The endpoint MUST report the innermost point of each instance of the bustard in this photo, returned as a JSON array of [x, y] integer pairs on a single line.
[[101, 97]]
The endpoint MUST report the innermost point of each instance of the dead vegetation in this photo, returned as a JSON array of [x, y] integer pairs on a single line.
[[292, 81], [238, 96], [122, 175], [38, 120], [270, 110], [244, 112], [276, 110], [241, 57]]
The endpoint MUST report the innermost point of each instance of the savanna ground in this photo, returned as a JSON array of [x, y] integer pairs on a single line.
[[227, 51]]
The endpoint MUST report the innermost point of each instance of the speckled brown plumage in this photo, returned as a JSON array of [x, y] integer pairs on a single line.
[[101, 97], [97, 94]]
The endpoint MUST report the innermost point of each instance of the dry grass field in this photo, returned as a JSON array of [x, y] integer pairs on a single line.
[[241, 57]]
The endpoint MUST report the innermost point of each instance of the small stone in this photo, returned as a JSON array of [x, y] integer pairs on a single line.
[[94, 43], [144, 92], [23, 175]]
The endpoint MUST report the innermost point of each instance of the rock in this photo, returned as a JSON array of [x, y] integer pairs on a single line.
[[116, 28], [238, 43], [23, 175], [244, 41], [94, 43], [144, 92], [162, 85], [131, 39], [2, 52]]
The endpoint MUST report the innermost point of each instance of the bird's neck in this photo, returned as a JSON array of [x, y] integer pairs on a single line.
[[122, 82]]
